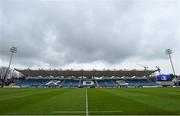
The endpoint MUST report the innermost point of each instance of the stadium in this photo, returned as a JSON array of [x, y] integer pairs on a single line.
[[79, 79], [89, 57]]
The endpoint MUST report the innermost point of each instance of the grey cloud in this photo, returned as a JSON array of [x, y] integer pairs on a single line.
[[64, 32]]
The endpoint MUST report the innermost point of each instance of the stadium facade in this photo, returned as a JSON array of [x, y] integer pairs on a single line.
[[85, 78]]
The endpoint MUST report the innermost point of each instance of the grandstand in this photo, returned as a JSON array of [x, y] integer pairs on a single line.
[[85, 78]]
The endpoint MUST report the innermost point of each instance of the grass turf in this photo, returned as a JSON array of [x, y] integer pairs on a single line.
[[100, 101]]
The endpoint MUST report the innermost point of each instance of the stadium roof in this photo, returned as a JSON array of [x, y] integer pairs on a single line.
[[86, 73]]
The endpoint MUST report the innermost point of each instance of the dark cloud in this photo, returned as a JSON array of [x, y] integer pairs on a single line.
[[65, 32]]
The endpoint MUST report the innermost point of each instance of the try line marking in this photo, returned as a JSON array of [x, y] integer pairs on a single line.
[[87, 113]]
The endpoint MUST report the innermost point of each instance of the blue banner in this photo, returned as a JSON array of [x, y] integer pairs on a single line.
[[163, 77]]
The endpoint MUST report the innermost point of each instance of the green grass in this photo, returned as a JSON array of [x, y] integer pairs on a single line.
[[100, 101]]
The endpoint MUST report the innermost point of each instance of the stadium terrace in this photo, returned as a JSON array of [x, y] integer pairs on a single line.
[[85, 78]]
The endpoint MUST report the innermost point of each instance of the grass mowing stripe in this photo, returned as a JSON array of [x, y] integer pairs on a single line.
[[108, 100], [67, 112], [164, 105], [72, 100], [162, 98], [18, 94], [12, 106]]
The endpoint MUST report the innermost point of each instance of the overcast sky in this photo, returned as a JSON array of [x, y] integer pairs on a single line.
[[90, 34]]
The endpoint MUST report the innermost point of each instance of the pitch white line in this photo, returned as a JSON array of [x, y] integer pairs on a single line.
[[87, 113]]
